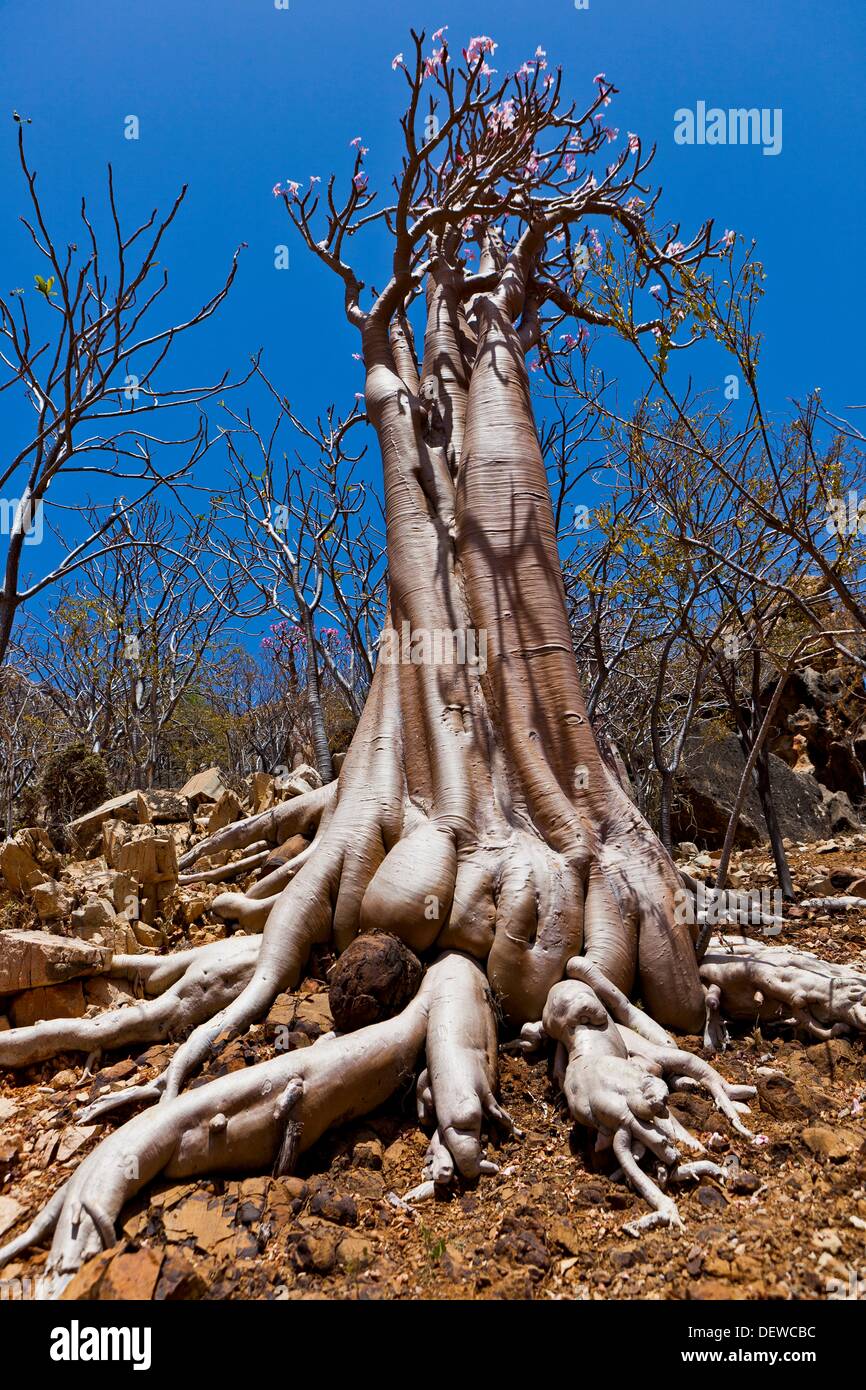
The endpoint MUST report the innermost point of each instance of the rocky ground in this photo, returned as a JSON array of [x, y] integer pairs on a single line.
[[791, 1222]]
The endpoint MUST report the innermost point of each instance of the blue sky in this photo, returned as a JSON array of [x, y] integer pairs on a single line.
[[233, 95]]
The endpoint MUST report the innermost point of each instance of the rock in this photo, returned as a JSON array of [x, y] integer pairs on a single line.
[[179, 1280], [744, 1182], [73, 1138], [355, 1252], [521, 1240], [140, 851], [149, 937], [369, 1153], [8, 1108], [833, 1144], [829, 1056], [827, 1239], [262, 792], [48, 1001], [712, 1197], [786, 1099], [131, 807], [840, 813], [373, 979], [331, 1207], [51, 900], [95, 919], [707, 785], [565, 1236], [30, 959], [227, 809], [17, 864], [208, 1221], [125, 1275], [10, 1212], [301, 779], [166, 807], [204, 787], [316, 1251]]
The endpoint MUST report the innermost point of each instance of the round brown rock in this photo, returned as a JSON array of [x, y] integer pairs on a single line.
[[374, 979]]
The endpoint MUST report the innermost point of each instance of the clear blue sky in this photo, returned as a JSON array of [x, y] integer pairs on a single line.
[[233, 95]]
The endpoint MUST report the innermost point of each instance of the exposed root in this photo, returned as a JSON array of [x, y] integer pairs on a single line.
[[774, 984], [190, 988], [256, 1119], [612, 1078], [299, 816], [254, 860], [456, 1091]]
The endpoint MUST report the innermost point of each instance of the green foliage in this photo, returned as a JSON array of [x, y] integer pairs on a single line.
[[73, 781]]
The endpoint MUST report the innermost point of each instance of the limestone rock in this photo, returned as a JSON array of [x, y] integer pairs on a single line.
[[48, 1001], [131, 807], [203, 786], [30, 959], [51, 900], [141, 851], [227, 809]]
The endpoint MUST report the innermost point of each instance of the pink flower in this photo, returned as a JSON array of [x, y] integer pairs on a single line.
[[482, 43], [525, 70], [360, 181], [633, 142], [611, 134], [541, 57], [357, 356], [676, 248], [729, 238], [595, 241], [438, 37], [599, 78], [277, 190], [435, 61], [569, 340], [397, 61], [570, 165], [656, 291], [356, 142], [292, 189]]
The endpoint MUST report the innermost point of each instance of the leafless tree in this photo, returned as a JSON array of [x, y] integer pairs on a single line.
[[83, 349]]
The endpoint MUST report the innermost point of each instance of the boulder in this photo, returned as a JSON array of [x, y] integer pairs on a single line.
[[131, 808], [707, 786], [51, 900], [141, 851], [204, 786], [226, 810], [31, 959], [48, 1001], [27, 859], [298, 782], [262, 792], [166, 807]]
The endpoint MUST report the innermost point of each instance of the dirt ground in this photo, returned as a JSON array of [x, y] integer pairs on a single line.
[[791, 1223]]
